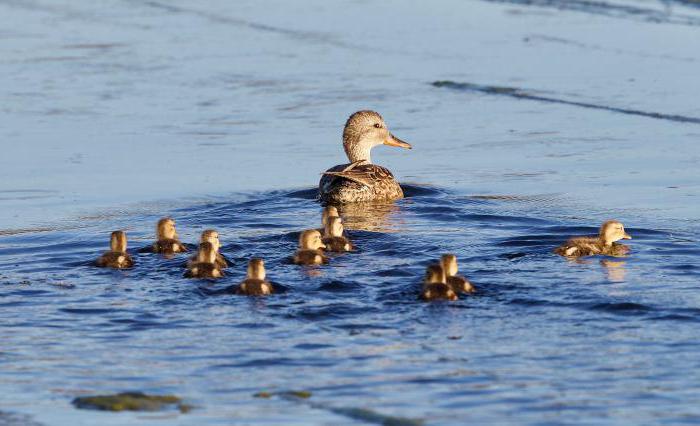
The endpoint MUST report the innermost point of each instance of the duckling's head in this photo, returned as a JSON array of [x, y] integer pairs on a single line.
[[434, 274], [329, 211], [256, 269], [311, 240], [211, 236], [206, 253], [612, 231], [117, 241], [334, 227], [166, 229], [365, 130], [449, 264]]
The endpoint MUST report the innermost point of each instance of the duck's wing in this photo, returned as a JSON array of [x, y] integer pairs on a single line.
[[364, 174]]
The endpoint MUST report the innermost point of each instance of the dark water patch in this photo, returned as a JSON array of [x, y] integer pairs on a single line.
[[622, 308], [305, 194], [514, 92], [89, 311], [17, 419], [413, 191]]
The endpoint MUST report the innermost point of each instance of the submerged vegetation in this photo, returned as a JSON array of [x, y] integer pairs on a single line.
[[130, 401]]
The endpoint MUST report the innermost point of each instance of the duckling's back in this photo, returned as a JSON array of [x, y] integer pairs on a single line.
[[168, 246], [115, 259], [255, 287], [460, 284], [438, 291], [337, 244], [203, 270], [309, 257]]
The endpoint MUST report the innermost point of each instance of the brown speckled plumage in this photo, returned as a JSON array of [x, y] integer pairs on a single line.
[[204, 270], [254, 287], [360, 180], [116, 257], [604, 244]]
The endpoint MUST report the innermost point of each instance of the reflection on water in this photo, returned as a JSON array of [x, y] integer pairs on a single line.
[[614, 270], [375, 217]]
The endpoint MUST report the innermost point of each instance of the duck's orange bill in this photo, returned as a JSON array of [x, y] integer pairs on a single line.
[[394, 141], [627, 237]]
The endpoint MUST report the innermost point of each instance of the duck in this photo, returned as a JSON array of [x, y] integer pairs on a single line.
[[333, 238], [211, 236], [360, 180], [328, 211], [310, 245], [168, 242], [435, 287], [116, 257], [604, 244], [458, 283], [255, 284], [205, 266]]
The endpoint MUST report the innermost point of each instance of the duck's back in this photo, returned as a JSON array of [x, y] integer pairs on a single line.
[[309, 257], [460, 284], [348, 183], [204, 270], [580, 246], [337, 244], [255, 287], [168, 246], [438, 291], [115, 259]]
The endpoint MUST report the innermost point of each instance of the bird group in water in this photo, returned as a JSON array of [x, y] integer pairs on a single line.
[[357, 181]]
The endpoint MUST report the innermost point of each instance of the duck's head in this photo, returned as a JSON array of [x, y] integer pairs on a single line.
[[256, 269], [449, 264], [612, 231], [311, 240], [334, 227], [166, 229], [434, 274], [363, 131], [328, 211], [206, 253], [211, 236], [117, 241]]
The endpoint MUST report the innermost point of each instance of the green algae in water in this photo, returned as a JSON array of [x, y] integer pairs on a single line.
[[130, 401], [293, 394]]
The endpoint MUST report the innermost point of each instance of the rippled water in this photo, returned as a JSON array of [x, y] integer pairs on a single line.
[[531, 121]]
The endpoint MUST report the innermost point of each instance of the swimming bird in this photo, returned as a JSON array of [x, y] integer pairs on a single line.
[[211, 236], [333, 238], [168, 242], [328, 211], [205, 266], [255, 283], [605, 243], [458, 283], [310, 245], [360, 180], [435, 287], [116, 257]]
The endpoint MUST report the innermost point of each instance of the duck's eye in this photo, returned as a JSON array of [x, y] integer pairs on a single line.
[[377, 125]]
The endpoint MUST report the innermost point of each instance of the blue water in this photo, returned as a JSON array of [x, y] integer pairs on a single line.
[[121, 112]]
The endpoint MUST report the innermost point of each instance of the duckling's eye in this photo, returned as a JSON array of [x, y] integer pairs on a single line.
[[377, 125]]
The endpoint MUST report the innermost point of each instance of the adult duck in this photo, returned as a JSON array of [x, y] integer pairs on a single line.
[[360, 180]]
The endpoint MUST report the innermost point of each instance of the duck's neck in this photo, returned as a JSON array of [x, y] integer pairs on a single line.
[[356, 150]]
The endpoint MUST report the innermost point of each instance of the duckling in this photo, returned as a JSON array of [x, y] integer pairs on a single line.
[[458, 283], [333, 238], [604, 244], [205, 266], [255, 283], [435, 287], [116, 257], [212, 237], [328, 211], [310, 245], [168, 241]]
